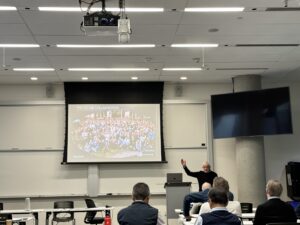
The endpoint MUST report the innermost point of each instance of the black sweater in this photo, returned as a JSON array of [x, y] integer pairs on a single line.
[[201, 176]]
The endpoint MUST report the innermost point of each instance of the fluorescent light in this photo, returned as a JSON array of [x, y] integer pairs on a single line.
[[134, 78], [136, 9], [78, 9], [108, 69], [106, 46], [33, 69], [8, 8], [183, 78], [84, 78], [194, 45], [33, 78], [61, 9], [19, 46], [182, 69], [215, 9]]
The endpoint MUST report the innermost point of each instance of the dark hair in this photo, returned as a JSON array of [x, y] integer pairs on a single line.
[[140, 191], [218, 196]]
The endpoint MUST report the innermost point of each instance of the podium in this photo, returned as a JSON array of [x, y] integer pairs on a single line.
[[175, 193]]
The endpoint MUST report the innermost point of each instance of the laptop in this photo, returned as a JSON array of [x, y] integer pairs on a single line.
[[174, 177]]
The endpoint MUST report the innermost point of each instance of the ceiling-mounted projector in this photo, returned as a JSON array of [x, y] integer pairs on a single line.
[[100, 23], [124, 30]]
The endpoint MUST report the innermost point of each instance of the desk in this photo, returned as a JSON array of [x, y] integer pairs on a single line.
[[51, 211], [33, 212], [249, 216]]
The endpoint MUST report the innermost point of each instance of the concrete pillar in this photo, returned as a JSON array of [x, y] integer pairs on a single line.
[[93, 180], [250, 156]]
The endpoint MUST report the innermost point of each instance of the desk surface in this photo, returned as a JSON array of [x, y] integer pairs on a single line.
[[20, 211], [77, 209], [248, 215], [24, 211]]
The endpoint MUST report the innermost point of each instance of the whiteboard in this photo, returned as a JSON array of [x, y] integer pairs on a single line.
[[39, 172], [33, 127], [185, 125]]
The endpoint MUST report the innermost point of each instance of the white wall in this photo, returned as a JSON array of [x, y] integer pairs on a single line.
[[278, 149]]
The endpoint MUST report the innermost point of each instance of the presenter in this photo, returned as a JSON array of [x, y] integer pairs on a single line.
[[203, 176]]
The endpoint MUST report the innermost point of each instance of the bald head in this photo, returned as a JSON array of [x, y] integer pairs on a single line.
[[205, 186], [206, 167]]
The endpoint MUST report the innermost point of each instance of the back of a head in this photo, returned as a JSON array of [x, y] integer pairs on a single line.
[[218, 196], [140, 191], [205, 186], [221, 183], [274, 188]]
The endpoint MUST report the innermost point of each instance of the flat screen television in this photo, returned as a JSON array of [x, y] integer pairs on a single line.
[[252, 113]]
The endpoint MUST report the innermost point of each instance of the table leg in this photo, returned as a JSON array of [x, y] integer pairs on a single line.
[[36, 218], [48, 214]]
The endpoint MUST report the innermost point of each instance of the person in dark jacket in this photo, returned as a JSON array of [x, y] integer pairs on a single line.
[[219, 215], [274, 210], [297, 210], [140, 212], [203, 176], [202, 196]]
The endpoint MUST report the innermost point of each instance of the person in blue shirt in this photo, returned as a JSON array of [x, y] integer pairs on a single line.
[[219, 215]]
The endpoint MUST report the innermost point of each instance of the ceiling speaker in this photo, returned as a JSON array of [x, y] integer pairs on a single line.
[[49, 91], [178, 90]]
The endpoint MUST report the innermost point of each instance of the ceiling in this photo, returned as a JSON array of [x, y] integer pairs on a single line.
[[253, 26]]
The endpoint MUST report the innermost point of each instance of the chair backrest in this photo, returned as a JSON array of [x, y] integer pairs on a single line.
[[246, 207], [195, 208], [1, 206], [63, 216], [4, 217], [89, 216]]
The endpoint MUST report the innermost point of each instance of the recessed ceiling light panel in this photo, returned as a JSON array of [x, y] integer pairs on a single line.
[[108, 69], [215, 9], [194, 45]]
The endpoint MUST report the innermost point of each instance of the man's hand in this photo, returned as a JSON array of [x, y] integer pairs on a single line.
[[183, 162]]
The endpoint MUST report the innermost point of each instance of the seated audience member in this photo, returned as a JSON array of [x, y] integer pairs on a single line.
[[201, 196], [232, 206], [274, 210], [140, 212], [219, 215], [298, 211]]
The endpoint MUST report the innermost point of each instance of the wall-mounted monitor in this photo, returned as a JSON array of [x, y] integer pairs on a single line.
[[252, 113]]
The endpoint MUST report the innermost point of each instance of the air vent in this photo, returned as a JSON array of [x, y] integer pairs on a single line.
[[242, 68], [267, 45], [282, 9]]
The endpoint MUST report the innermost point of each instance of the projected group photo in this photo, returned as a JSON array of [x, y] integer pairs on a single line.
[[114, 132]]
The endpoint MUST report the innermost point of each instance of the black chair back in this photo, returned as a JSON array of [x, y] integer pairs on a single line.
[[90, 215], [63, 216], [4, 217], [1, 206], [246, 207]]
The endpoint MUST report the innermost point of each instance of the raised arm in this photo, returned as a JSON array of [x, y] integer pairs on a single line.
[[187, 171]]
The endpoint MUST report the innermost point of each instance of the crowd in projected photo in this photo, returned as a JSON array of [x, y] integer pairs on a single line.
[[116, 132]]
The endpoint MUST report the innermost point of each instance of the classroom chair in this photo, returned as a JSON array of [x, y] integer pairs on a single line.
[[90, 217], [62, 217], [4, 217], [246, 207]]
